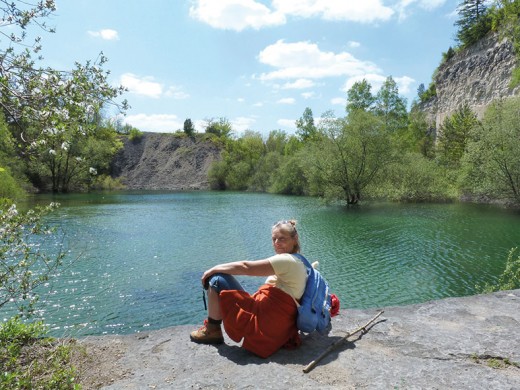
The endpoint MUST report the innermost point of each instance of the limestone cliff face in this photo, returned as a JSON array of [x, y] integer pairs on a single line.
[[476, 76], [158, 161]]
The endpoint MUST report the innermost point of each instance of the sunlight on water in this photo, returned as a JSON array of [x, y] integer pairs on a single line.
[[136, 258]]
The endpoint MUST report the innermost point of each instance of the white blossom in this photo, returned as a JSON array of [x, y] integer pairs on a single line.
[[92, 171], [52, 151], [65, 145]]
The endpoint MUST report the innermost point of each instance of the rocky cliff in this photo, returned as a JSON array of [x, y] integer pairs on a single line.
[[476, 76], [158, 161]]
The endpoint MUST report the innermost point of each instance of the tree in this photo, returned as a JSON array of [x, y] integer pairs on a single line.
[[491, 164], [188, 127], [474, 21], [349, 156], [305, 126], [454, 135], [391, 107], [220, 127], [421, 90], [276, 141], [359, 97], [23, 265], [420, 135], [51, 113]]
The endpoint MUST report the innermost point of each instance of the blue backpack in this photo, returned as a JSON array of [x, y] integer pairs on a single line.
[[315, 303]]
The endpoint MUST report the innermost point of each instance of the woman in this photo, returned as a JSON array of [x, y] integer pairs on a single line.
[[266, 320]]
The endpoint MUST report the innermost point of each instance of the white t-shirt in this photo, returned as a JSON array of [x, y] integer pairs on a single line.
[[290, 274]]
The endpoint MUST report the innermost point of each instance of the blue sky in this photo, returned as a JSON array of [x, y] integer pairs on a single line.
[[257, 63]]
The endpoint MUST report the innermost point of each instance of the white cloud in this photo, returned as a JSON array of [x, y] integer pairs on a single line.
[[106, 34], [141, 86], [339, 101], [241, 124], [428, 5], [147, 86], [235, 14], [161, 123], [375, 80], [287, 123], [242, 14], [403, 84], [354, 44], [299, 84], [286, 101], [176, 93], [308, 95], [366, 11], [306, 60]]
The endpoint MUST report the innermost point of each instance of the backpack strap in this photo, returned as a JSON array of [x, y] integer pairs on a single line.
[[303, 260], [307, 265]]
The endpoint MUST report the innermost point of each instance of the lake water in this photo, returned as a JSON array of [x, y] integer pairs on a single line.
[[137, 257]]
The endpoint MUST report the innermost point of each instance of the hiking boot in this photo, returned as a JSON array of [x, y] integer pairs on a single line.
[[207, 334]]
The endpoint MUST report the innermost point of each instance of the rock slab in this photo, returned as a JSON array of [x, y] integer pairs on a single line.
[[454, 343]]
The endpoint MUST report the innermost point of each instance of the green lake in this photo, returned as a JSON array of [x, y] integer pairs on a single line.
[[136, 257]]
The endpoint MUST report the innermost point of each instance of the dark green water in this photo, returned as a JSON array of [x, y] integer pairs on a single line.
[[138, 257]]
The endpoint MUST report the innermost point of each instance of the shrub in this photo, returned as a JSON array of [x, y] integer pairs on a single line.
[[30, 361], [509, 279]]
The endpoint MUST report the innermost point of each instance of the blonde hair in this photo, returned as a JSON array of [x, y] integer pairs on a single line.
[[289, 227]]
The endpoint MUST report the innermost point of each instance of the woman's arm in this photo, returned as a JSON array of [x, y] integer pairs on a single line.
[[250, 268]]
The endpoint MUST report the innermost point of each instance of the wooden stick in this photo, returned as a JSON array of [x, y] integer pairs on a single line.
[[312, 364]]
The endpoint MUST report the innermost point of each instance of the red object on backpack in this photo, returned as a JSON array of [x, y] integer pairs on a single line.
[[334, 307]]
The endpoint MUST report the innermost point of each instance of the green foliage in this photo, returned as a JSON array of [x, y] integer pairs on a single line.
[[448, 55], [430, 93], [454, 135], [52, 115], [391, 107], [418, 137], [290, 177], [31, 362], [9, 187], [506, 19], [217, 175], [510, 277], [306, 129], [474, 21], [107, 183], [188, 128], [276, 142], [23, 264], [135, 134], [491, 166], [349, 155], [359, 97], [220, 127], [414, 178]]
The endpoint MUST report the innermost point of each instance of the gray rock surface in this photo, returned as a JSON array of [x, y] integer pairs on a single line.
[[455, 343], [476, 76], [164, 161]]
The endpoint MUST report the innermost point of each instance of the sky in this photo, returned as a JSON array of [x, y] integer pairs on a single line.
[[257, 63]]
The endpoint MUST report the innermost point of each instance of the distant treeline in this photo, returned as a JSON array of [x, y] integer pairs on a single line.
[[379, 151]]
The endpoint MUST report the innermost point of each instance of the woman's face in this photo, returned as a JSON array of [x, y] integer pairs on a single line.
[[282, 242]]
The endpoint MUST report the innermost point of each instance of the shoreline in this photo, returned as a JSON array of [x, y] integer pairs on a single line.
[[465, 343]]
